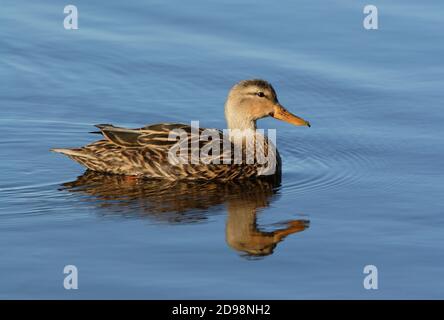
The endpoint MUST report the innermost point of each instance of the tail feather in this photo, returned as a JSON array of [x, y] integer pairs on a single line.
[[73, 152]]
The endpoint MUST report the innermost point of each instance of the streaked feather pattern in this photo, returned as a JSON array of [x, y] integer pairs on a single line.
[[144, 152]]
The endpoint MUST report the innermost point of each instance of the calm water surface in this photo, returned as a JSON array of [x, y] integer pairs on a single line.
[[363, 186]]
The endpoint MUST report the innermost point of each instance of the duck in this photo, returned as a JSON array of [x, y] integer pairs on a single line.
[[177, 151]]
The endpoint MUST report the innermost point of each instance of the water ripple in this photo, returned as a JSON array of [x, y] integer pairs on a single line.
[[318, 164]]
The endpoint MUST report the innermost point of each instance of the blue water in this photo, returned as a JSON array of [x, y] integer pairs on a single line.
[[363, 186]]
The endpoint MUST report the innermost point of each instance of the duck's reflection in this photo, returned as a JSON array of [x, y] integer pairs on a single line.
[[182, 202]]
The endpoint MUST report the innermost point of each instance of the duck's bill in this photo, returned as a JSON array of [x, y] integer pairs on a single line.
[[281, 113]]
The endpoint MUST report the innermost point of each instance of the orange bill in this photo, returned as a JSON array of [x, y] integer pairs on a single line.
[[281, 113]]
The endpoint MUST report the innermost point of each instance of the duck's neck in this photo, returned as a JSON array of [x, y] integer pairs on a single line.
[[240, 127], [241, 124]]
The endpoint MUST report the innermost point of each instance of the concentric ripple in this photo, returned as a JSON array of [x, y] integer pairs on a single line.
[[319, 163]]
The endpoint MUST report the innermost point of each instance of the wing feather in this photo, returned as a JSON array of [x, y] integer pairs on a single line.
[[155, 135]]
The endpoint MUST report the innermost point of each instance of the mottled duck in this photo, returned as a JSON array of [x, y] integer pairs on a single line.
[[210, 154]]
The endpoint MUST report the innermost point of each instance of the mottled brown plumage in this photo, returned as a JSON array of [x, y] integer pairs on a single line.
[[146, 151]]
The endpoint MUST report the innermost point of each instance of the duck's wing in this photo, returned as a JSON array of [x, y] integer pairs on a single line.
[[157, 135], [161, 137]]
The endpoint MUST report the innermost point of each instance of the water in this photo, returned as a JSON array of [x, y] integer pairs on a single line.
[[362, 186]]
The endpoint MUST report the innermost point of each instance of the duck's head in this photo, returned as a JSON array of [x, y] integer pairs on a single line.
[[250, 100]]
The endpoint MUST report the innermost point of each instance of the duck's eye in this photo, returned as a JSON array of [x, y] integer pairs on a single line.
[[260, 94]]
